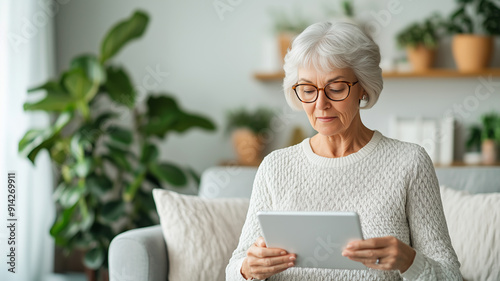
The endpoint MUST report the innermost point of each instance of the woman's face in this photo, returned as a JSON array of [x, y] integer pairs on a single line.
[[326, 116]]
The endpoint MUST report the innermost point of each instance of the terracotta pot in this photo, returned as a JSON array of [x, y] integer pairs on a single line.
[[489, 152], [284, 43], [248, 147], [92, 275], [421, 57], [472, 52]]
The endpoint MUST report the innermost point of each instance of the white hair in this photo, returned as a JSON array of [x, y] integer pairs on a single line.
[[326, 46]]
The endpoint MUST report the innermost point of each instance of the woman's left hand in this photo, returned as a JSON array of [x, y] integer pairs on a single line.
[[391, 253]]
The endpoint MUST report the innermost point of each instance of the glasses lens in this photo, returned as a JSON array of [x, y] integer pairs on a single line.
[[306, 92], [337, 91]]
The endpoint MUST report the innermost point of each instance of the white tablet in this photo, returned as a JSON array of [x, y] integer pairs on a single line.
[[318, 238]]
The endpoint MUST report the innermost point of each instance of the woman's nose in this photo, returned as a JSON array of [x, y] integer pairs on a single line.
[[322, 102]]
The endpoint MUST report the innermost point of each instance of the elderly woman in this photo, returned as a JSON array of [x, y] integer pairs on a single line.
[[332, 70]]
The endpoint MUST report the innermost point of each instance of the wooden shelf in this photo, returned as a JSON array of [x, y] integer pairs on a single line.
[[442, 73], [433, 73], [269, 76]]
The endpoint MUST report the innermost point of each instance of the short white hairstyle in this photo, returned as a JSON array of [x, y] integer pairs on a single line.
[[326, 46]]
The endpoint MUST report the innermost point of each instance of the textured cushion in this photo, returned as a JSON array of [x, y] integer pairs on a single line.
[[474, 226], [201, 233]]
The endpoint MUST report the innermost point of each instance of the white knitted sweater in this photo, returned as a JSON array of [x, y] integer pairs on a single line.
[[391, 185]]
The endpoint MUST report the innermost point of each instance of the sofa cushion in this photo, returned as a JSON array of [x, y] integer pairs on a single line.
[[201, 233], [474, 225]]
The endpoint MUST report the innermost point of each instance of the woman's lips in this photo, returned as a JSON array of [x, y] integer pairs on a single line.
[[326, 119]]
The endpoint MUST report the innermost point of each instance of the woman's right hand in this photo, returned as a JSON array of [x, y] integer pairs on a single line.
[[262, 262]]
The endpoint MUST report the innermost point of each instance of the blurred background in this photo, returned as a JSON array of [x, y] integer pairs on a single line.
[[214, 58]]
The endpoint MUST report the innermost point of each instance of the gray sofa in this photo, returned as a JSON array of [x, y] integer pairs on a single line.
[[141, 254]]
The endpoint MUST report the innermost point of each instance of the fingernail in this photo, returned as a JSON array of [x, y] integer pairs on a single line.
[[349, 246], [283, 252], [292, 258], [344, 254], [290, 264]]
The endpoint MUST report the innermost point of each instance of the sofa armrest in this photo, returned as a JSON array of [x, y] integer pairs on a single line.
[[139, 254]]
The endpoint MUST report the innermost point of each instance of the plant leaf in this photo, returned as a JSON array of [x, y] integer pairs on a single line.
[[78, 84], [51, 87], [93, 69], [70, 195], [188, 121], [119, 87], [122, 33], [132, 188], [51, 102], [62, 221], [120, 135], [36, 140], [113, 210], [168, 173], [94, 257], [149, 153], [98, 185]]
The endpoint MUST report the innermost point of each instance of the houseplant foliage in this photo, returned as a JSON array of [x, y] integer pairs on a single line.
[[474, 22], [490, 135], [421, 40], [106, 170], [248, 129]]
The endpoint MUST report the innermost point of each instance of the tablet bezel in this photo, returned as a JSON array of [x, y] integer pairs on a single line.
[[322, 248]]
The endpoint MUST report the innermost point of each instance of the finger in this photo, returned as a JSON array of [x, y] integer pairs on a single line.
[[260, 242], [262, 252], [277, 260], [373, 243], [366, 254], [368, 262], [271, 270]]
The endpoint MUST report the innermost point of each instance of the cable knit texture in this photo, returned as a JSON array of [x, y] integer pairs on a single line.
[[391, 184]]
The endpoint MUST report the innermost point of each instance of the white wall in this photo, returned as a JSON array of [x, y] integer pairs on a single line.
[[210, 61]]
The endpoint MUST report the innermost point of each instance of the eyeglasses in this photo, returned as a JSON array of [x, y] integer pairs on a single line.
[[335, 91]]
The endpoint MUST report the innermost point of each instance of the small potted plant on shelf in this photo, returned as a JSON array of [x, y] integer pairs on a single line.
[[286, 28], [474, 23], [473, 146], [248, 130], [490, 135], [421, 40]]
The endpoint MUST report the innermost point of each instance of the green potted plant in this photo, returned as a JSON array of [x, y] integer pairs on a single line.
[[106, 169], [421, 40], [474, 23], [287, 27], [248, 129], [490, 135], [472, 155]]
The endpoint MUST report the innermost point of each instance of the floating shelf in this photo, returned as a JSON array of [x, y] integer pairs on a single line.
[[433, 73]]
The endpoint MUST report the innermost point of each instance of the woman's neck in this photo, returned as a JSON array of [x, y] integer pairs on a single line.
[[340, 145]]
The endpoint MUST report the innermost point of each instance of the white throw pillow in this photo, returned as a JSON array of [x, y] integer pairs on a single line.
[[474, 225], [201, 234]]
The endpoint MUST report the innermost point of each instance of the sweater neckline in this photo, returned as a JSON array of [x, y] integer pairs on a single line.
[[340, 161]]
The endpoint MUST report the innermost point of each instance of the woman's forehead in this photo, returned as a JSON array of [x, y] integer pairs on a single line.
[[311, 73]]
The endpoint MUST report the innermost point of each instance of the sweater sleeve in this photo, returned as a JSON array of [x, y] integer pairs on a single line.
[[435, 258], [260, 200]]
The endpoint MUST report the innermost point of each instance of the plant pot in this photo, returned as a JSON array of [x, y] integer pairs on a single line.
[[248, 147], [489, 152], [472, 52], [421, 57], [97, 275], [284, 43], [473, 158]]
